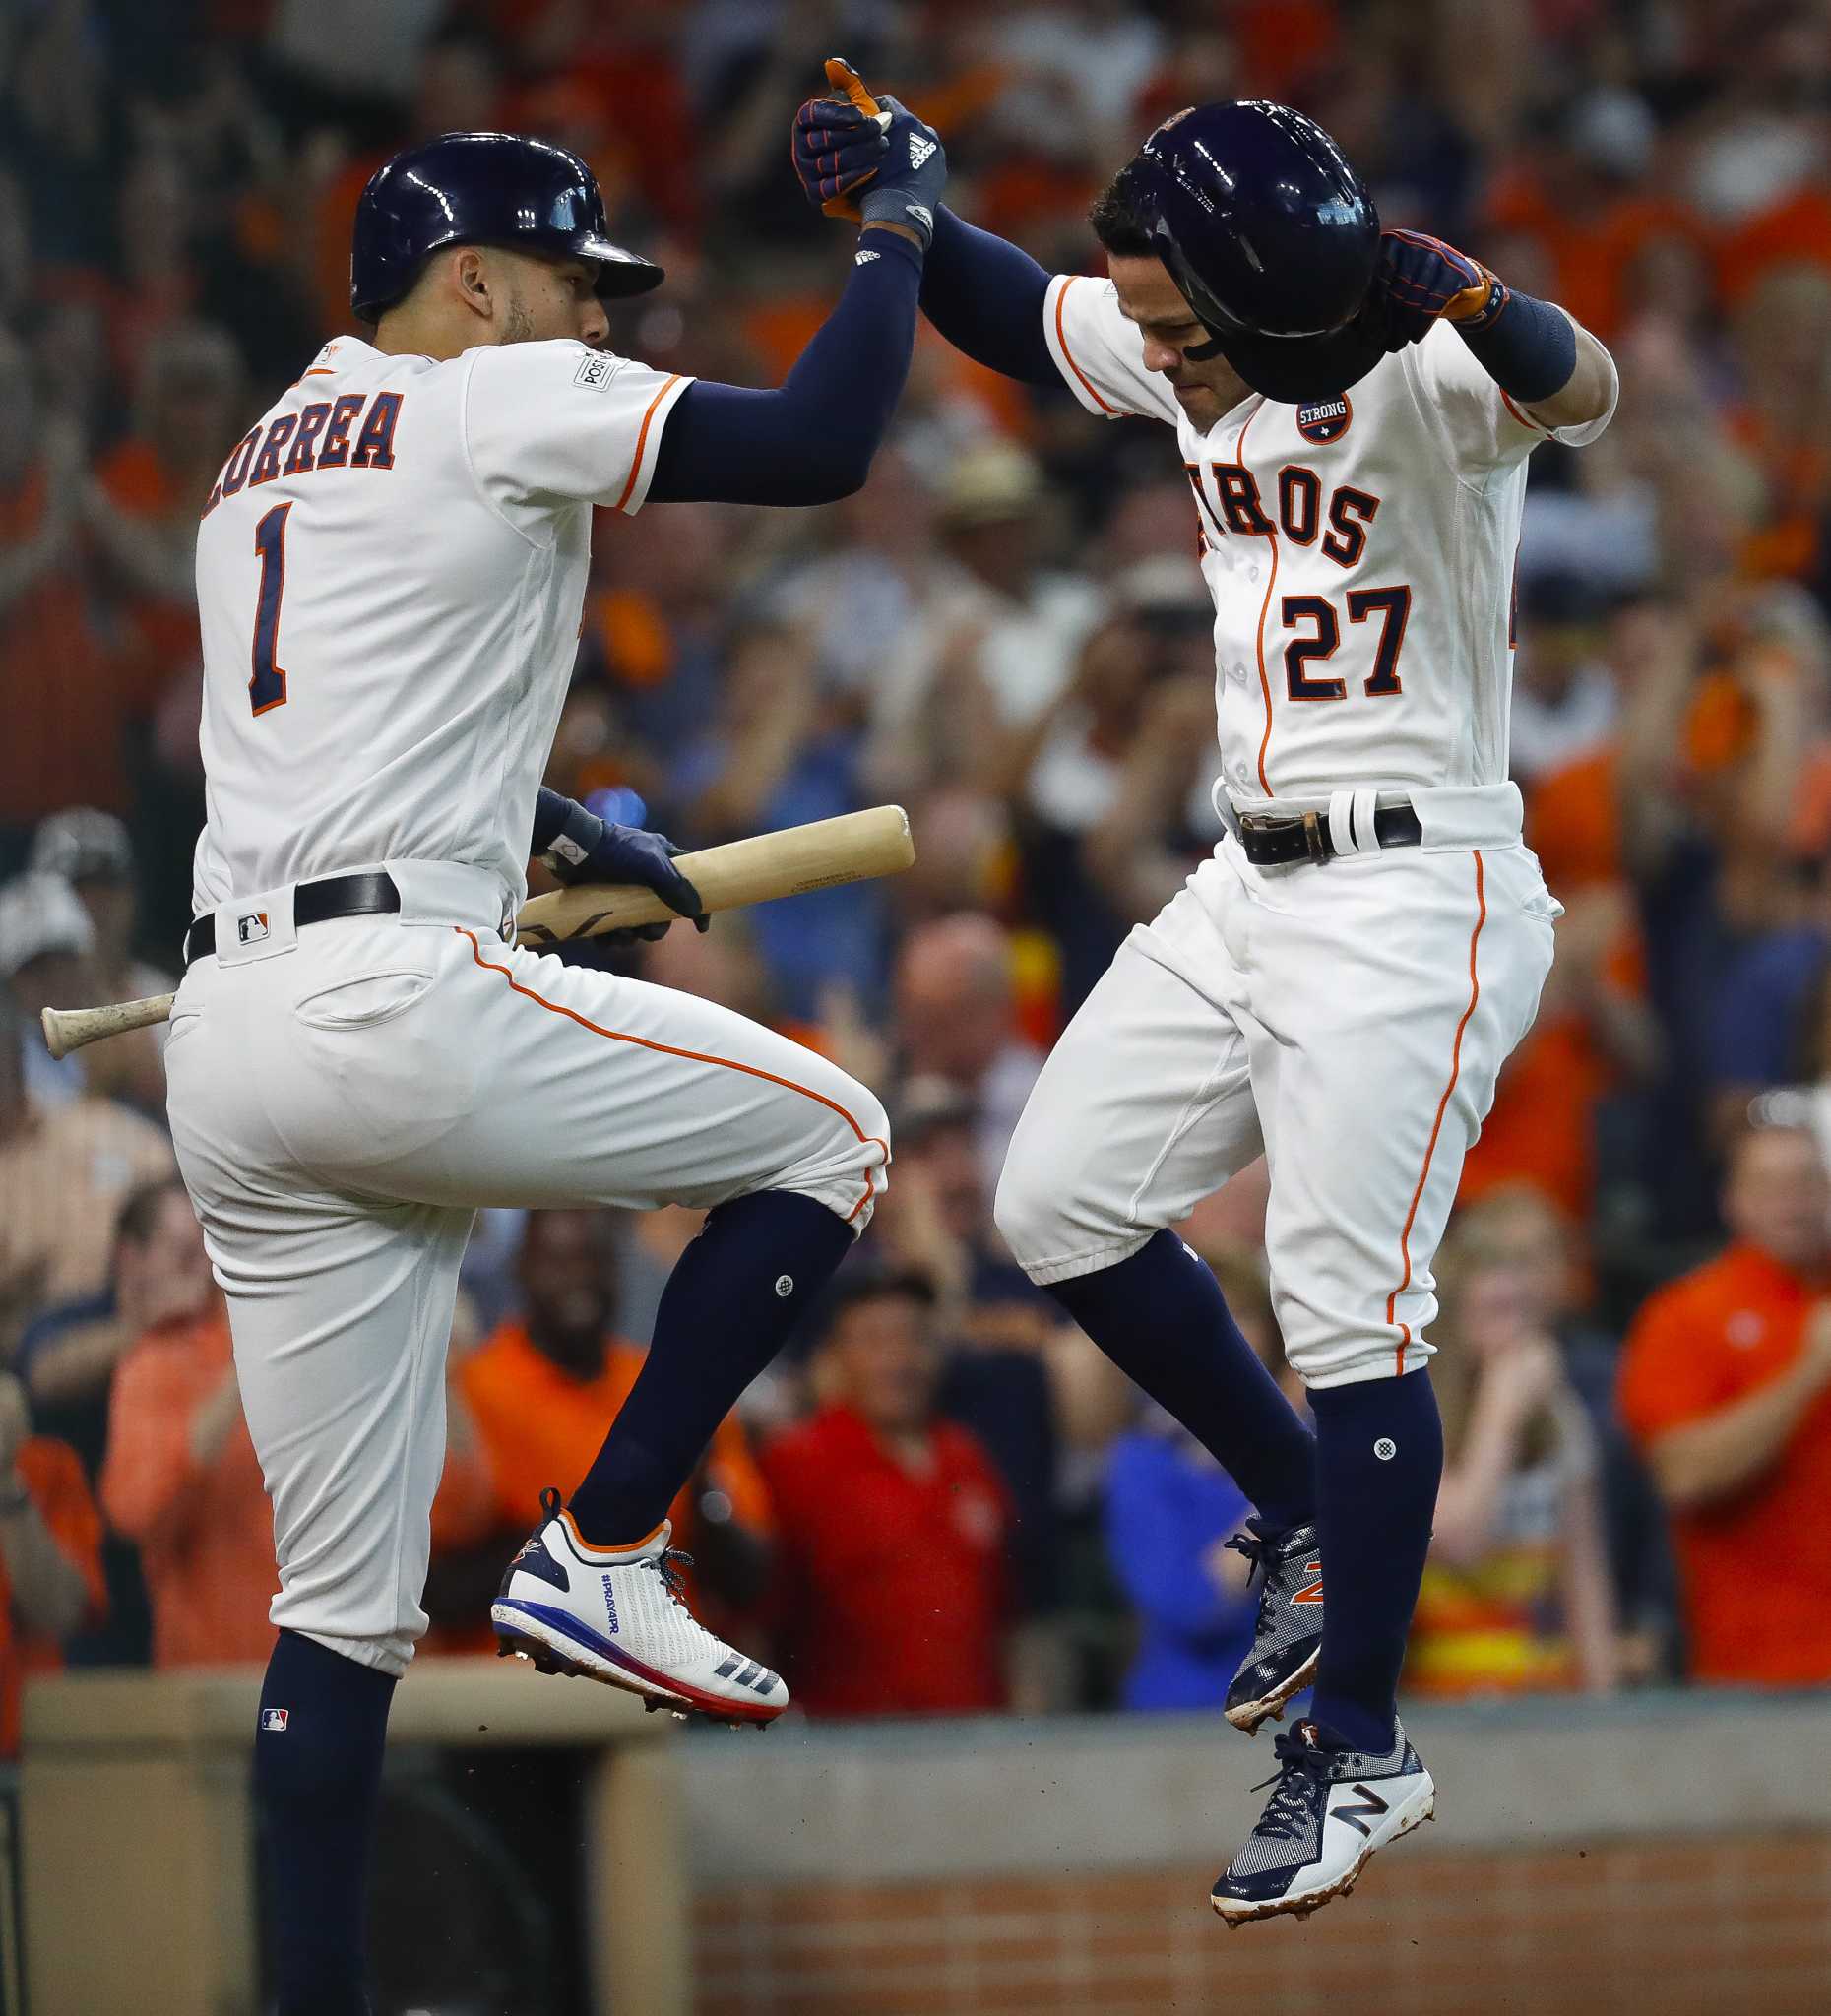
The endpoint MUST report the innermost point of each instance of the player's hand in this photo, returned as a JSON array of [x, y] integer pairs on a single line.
[[866, 159], [906, 189], [837, 146], [1418, 280], [632, 855]]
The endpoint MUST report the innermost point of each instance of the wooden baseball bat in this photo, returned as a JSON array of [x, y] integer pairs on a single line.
[[857, 846]]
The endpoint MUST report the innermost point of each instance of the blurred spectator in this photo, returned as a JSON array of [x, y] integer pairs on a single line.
[[50, 1555], [56, 667], [161, 1277], [1724, 1381], [1516, 1596], [48, 957], [188, 409], [64, 1171], [1520, 1232], [543, 1388], [1563, 697], [1000, 643], [1000, 1331], [894, 1593], [92, 853], [1171, 1514], [181, 1479], [774, 756], [955, 1022]]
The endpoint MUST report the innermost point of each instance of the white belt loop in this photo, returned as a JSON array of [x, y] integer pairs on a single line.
[[1351, 820]]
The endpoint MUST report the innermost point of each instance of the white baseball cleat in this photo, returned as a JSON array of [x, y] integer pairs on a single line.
[[1330, 1808], [616, 1615]]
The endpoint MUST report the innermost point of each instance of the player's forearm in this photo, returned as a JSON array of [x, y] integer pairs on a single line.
[[812, 440], [987, 298]]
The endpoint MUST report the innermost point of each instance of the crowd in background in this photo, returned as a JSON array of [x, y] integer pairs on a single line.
[[944, 1498]]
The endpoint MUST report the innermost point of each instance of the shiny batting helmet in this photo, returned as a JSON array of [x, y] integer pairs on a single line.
[[483, 189], [1272, 238]]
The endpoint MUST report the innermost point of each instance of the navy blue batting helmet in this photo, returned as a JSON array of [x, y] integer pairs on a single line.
[[483, 189], [1272, 238]]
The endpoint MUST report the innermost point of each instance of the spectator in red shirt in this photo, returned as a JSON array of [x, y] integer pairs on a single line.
[[893, 1594], [1725, 1385]]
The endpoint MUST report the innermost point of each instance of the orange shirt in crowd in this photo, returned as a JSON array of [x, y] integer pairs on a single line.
[[206, 1531], [52, 1472], [536, 1425], [1755, 1568]]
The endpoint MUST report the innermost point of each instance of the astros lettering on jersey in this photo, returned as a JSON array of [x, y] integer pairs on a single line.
[[1361, 555]]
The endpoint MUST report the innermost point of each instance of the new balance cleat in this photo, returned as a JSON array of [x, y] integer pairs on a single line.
[[1330, 1808], [617, 1615], [1288, 1634]]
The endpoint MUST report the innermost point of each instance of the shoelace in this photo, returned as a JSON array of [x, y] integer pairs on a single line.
[[1301, 1769], [1258, 1556], [669, 1567]]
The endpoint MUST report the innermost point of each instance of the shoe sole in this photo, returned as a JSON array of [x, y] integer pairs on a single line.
[[522, 1636], [1271, 1707], [1234, 1913]]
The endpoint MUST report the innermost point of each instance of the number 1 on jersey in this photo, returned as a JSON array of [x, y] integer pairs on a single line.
[[266, 680]]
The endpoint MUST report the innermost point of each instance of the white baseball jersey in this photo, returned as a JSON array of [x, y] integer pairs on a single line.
[[391, 572], [1360, 552]]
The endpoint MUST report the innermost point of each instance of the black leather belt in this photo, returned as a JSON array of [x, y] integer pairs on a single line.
[[313, 903], [1269, 841]]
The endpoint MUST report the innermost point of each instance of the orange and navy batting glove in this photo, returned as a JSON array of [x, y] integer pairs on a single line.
[[1418, 279], [838, 144]]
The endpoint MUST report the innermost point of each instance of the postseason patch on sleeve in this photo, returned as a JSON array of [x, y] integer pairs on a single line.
[[594, 370]]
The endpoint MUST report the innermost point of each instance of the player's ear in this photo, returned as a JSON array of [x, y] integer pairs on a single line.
[[473, 282]]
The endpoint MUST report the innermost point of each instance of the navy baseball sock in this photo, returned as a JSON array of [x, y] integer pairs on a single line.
[[317, 1782], [1160, 1316], [1379, 1459], [735, 1296]]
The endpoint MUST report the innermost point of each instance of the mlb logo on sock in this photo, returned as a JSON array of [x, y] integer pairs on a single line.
[[275, 1720]]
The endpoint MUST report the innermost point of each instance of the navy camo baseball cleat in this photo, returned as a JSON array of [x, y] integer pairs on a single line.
[[1330, 1808], [617, 1615], [1287, 1635]]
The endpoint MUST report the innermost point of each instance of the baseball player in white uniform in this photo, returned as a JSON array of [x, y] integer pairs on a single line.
[[390, 569], [1339, 987]]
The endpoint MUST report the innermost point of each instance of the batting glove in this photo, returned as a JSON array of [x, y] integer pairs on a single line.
[[906, 189], [588, 848], [835, 149], [1418, 280]]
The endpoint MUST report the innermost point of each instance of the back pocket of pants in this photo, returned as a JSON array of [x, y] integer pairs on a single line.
[[364, 1002]]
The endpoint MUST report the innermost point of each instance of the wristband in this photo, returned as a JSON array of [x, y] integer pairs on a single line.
[[1526, 346]]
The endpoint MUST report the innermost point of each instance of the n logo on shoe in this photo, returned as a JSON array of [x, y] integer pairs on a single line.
[[1358, 1816], [1311, 1592]]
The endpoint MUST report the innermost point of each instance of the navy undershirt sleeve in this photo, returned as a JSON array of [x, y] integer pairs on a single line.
[[811, 440], [987, 297]]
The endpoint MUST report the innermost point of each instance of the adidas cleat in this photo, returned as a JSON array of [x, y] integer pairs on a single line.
[[1288, 1634], [617, 1615], [1330, 1808]]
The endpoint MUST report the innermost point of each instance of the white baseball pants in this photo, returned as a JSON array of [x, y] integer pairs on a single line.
[[341, 1103], [1349, 1019]]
